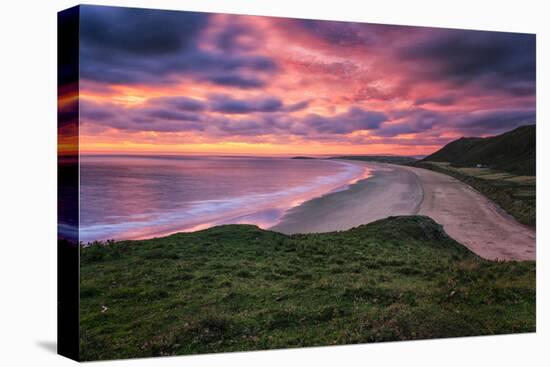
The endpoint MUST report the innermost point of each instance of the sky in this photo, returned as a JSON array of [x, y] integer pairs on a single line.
[[167, 82]]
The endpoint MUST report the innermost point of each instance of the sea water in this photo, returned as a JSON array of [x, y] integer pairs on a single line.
[[132, 197]]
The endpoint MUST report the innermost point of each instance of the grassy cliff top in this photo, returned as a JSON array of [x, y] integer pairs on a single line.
[[238, 287]]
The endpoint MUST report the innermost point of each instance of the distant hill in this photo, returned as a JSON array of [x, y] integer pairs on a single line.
[[395, 159], [512, 152]]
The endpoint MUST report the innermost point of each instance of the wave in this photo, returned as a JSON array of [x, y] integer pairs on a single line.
[[262, 209]]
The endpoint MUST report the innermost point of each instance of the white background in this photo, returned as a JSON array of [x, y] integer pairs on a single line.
[[28, 182]]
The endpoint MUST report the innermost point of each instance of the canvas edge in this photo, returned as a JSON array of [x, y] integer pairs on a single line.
[[68, 273]]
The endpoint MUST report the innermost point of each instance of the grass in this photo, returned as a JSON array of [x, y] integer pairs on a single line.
[[516, 194], [237, 287]]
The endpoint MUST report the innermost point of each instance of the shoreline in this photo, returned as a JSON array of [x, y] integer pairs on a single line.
[[466, 215], [262, 213], [389, 191], [394, 190]]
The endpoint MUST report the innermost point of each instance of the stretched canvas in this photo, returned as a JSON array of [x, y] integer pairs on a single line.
[[238, 183]]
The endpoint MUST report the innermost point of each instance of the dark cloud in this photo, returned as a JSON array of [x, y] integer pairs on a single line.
[[236, 80], [151, 122], [226, 104], [223, 103], [167, 114], [267, 116], [179, 103], [474, 123], [242, 127], [259, 116], [423, 141], [494, 121], [236, 37], [412, 121], [140, 32], [353, 120], [99, 114], [159, 117], [495, 60], [441, 100], [297, 106], [128, 45], [313, 127]]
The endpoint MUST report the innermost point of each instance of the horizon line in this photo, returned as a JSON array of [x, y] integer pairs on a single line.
[[88, 153]]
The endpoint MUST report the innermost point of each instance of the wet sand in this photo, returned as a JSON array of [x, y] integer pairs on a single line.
[[466, 215], [388, 192]]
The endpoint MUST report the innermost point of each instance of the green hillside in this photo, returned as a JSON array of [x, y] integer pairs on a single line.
[[512, 152], [237, 287]]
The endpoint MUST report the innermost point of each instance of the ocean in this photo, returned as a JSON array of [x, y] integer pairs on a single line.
[[134, 197]]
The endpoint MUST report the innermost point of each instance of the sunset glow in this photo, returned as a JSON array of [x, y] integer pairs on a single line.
[[194, 83]]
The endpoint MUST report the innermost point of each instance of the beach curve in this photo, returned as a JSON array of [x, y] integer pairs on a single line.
[[474, 220], [466, 215], [389, 191]]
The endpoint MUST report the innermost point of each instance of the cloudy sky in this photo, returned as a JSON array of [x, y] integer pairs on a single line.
[[194, 83]]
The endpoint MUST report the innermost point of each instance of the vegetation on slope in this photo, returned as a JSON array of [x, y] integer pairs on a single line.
[[238, 287], [512, 152]]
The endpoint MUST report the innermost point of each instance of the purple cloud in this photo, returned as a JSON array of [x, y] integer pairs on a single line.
[[130, 45], [352, 120], [492, 60]]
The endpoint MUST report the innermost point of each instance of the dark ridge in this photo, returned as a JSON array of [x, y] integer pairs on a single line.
[[512, 152]]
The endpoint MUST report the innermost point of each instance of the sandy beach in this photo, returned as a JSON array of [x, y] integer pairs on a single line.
[[466, 215], [388, 192]]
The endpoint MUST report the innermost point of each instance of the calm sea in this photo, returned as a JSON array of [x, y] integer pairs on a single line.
[[129, 197]]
